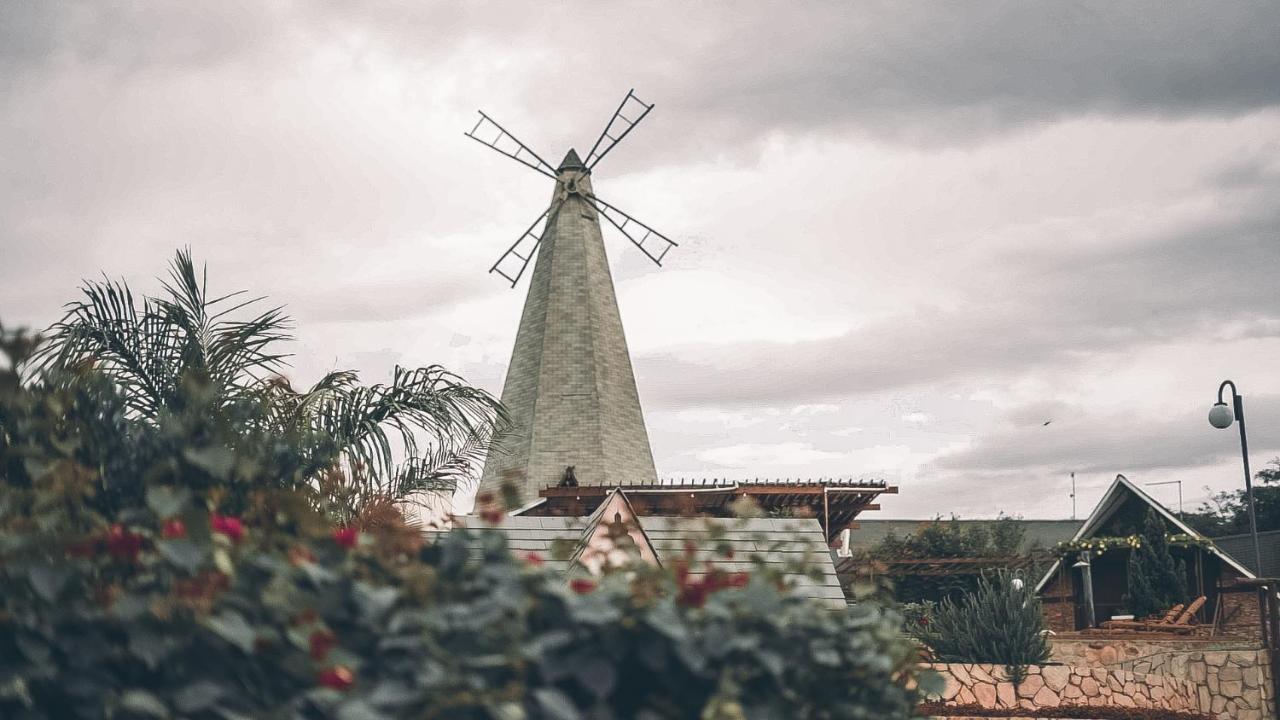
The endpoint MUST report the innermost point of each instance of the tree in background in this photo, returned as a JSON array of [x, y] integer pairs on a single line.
[[1000, 622], [190, 357], [947, 539], [1157, 581], [1226, 513]]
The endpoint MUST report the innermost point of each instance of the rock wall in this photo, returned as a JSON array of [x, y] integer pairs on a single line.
[[1232, 679], [1054, 685], [1231, 683]]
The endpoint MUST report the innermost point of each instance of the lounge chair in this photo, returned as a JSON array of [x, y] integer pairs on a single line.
[[1168, 623]]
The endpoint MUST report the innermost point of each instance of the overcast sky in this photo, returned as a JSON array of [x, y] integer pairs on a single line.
[[910, 234]]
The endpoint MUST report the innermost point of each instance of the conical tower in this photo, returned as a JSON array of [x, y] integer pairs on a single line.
[[570, 389]]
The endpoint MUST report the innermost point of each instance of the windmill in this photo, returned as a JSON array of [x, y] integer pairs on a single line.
[[512, 264], [570, 389]]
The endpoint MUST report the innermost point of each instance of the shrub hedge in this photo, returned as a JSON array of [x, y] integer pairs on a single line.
[[186, 605]]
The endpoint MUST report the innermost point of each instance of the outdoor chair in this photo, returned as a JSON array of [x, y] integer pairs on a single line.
[[1176, 620]]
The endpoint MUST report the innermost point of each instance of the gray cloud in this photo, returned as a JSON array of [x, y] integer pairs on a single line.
[[934, 73], [1054, 303], [1128, 442]]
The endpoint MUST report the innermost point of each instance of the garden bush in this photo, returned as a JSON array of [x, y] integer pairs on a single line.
[[1000, 623], [199, 602]]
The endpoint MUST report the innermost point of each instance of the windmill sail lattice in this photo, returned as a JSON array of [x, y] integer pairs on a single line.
[[570, 389]]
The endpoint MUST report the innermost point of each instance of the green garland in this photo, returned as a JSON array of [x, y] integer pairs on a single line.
[[1100, 545]]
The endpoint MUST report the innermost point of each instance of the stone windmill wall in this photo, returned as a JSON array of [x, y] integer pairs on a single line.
[[570, 388]]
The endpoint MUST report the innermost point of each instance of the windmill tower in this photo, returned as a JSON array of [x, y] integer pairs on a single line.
[[570, 388]]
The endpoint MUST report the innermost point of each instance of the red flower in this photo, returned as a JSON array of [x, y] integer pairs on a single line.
[[173, 529], [227, 525], [694, 594], [739, 579], [347, 537], [582, 586], [322, 641], [338, 677], [681, 568], [123, 544], [534, 559], [491, 516]]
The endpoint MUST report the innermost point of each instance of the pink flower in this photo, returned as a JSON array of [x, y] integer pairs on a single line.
[[173, 529], [123, 544], [338, 677], [227, 525], [582, 586], [346, 537]]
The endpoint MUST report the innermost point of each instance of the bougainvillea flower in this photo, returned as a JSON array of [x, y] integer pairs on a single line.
[[534, 559], [173, 529], [337, 677], [346, 537], [582, 586], [122, 544], [227, 525]]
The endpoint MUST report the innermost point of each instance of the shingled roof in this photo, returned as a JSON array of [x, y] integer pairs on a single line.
[[1240, 547], [780, 542]]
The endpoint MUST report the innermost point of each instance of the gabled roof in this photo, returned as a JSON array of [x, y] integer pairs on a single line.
[[595, 545], [1120, 491]]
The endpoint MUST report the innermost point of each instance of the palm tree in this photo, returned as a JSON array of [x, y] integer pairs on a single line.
[[365, 445]]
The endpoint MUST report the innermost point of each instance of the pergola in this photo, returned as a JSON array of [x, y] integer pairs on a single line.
[[836, 503]]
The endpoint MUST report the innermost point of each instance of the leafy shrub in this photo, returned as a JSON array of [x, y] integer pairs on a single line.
[[201, 603], [1001, 623], [1156, 580], [917, 617], [997, 541], [188, 358]]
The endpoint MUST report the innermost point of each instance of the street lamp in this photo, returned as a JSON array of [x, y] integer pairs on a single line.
[[1221, 417]]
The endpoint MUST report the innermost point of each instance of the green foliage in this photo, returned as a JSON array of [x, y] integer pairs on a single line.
[[1002, 537], [1156, 580], [1227, 512], [948, 539], [210, 592], [191, 356], [1000, 622]]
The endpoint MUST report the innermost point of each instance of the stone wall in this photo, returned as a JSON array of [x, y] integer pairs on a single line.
[[1229, 683], [1054, 685], [1233, 677]]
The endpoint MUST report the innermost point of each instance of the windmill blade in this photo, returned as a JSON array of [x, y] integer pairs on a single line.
[[652, 243], [619, 125], [511, 265], [507, 144]]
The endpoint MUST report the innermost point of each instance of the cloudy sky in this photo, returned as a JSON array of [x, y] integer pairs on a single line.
[[910, 234]]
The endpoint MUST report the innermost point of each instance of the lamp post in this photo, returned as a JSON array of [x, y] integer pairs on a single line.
[[1221, 416]]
